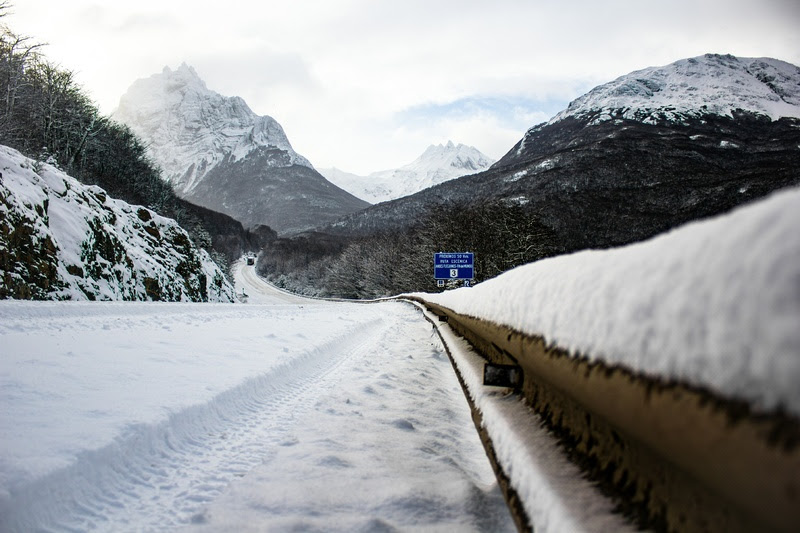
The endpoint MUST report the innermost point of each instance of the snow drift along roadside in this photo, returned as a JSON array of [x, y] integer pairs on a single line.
[[715, 303]]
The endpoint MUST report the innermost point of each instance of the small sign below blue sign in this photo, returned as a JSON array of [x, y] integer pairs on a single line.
[[454, 265]]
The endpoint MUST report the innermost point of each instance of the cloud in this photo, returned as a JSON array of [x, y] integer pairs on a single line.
[[516, 112], [144, 22], [490, 123], [264, 78]]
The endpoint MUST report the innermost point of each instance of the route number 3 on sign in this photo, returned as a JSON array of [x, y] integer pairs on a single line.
[[459, 265]]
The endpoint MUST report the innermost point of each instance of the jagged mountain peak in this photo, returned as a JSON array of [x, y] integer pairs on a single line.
[[184, 73], [219, 154], [449, 145], [190, 129], [711, 84]]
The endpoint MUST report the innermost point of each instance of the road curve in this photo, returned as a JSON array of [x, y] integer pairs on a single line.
[[259, 291]]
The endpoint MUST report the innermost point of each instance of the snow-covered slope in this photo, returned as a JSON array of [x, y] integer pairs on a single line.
[[439, 163], [60, 239], [190, 129], [690, 88], [714, 304]]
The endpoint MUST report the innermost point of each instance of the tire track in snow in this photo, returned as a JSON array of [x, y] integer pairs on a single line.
[[393, 448], [158, 476]]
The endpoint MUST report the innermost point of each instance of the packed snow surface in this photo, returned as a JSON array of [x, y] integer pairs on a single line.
[[279, 415], [439, 163], [714, 303], [189, 128], [691, 88]]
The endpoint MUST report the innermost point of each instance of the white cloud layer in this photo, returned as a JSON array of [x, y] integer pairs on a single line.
[[351, 81]]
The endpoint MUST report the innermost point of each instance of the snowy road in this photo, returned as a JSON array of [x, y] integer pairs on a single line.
[[294, 414], [259, 291]]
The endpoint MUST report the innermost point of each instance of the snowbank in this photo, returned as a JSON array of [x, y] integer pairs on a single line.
[[714, 303]]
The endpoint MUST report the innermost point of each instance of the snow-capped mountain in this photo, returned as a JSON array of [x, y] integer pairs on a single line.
[[691, 88], [62, 240], [639, 155], [191, 129], [218, 153], [688, 92], [438, 164]]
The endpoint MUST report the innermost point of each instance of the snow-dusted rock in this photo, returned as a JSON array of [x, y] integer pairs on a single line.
[[438, 164], [61, 239]]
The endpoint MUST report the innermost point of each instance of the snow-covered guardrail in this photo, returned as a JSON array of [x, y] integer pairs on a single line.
[[683, 456], [669, 368]]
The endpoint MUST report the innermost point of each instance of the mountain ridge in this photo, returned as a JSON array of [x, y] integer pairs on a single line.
[[605, 176], [711, 84]]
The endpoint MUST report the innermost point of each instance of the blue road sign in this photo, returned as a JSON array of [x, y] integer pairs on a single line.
[[454, 265]]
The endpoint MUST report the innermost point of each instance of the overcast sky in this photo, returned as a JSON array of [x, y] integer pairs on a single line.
[[368, 85]]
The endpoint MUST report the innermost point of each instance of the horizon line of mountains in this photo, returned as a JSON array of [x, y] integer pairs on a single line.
[[219, 154], [630, 159]]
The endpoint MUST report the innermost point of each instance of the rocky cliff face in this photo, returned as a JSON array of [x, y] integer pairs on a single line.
[[218, 153], [640, 155], [60, 239]]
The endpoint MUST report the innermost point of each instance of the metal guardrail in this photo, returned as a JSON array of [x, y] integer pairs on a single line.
[[675, 457]]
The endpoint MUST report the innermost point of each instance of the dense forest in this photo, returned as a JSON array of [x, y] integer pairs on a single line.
[[501, 234], [47, 116]]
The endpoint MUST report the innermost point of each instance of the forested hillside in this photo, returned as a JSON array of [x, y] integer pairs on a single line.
[[47, 116], [501, 234]]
